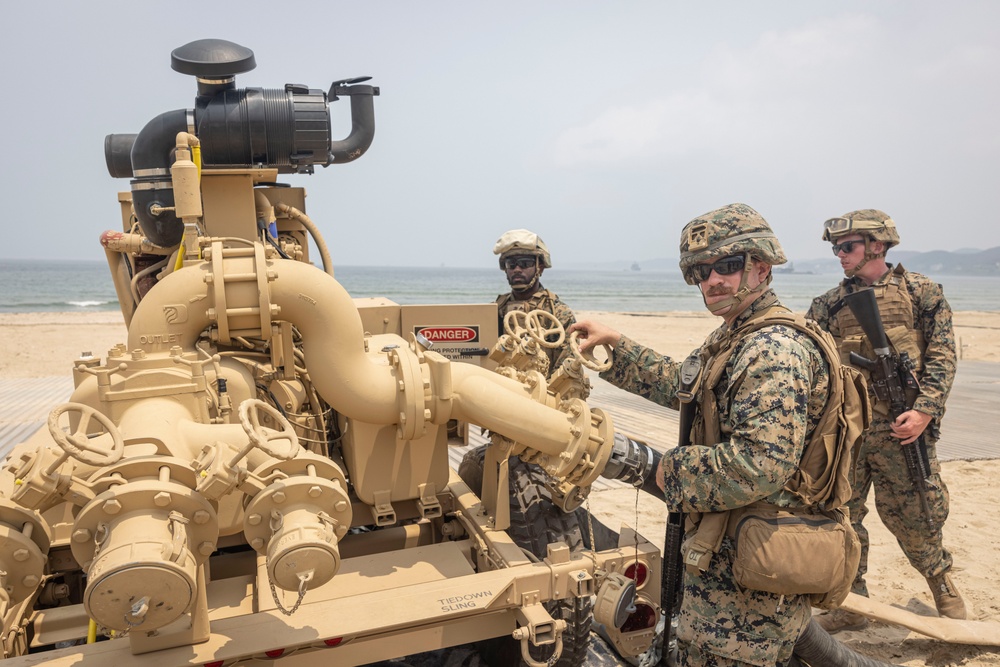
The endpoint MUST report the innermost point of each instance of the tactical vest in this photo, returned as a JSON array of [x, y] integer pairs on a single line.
[[541, 300], [506, 303], [823, 479], [896, 309]]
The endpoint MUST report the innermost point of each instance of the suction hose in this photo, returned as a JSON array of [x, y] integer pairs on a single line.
[[816, 648]]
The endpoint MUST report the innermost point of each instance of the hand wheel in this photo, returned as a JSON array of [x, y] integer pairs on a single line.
[[266, 438], [80, 443], [587, 358], [542, 323]]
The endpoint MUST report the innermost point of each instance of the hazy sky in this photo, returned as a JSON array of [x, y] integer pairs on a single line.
[[603, 126]]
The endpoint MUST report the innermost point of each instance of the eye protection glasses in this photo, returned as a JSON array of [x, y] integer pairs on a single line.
[[519, 262], [847, 247], [836, 226], [726, 266]]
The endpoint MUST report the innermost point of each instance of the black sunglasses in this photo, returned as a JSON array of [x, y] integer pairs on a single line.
[[519, 262], [726, 266], [846, 246]]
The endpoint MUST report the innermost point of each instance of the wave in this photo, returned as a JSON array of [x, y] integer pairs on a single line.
[[87, 304], [61, 305]]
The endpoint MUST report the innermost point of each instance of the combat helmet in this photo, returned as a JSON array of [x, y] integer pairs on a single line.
[[736, 229], [868, 222], [871, 224], [522, 242]]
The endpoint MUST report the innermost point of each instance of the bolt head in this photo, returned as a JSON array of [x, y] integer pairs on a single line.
[[278, 496], [82, 535], [21, 555], [253, 519], [315, 491], [340, 506], [112, 506], [161, 499], [257, 543], [30, 580], [206, 548], [201, 517]]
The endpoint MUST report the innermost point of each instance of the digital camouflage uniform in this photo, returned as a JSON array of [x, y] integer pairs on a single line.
[[545, 300], [880, 462], [772, 393]]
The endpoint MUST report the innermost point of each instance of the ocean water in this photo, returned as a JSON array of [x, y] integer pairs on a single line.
[[38, 286]]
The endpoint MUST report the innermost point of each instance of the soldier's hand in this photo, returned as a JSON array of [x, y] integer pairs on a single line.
[[594, 333], [909, 425]]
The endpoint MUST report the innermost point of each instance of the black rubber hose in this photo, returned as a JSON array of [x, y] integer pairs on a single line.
[[362, 126], [649, 483], [816, 648], [152, 185]]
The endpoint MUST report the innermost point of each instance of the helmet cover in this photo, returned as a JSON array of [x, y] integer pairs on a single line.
[[869, 222], [522, 242], [731, 230]]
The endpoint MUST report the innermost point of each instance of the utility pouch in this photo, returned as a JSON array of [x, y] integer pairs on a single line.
[[795, 553], [703, 540]]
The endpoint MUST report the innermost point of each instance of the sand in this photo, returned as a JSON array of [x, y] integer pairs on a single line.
[[45, 344]]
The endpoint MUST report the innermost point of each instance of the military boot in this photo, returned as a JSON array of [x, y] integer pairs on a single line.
[[839, 620], [947, 599]]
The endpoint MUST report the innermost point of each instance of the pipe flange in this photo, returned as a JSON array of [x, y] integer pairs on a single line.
[[410, 399], [147, 499], [319, 495]]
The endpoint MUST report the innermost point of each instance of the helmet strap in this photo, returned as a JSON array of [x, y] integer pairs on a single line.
[[530, 286], [741, 294], [869, 255]]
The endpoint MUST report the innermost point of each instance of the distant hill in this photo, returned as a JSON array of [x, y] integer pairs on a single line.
[[966, 261]]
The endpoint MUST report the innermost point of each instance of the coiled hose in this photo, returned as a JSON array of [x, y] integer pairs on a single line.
[[816, 648]]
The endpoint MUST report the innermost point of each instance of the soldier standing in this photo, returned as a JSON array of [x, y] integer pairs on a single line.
[[765, 386], [523, 258], [917, 320]]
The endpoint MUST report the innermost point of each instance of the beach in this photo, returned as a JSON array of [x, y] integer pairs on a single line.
[[37, 345]]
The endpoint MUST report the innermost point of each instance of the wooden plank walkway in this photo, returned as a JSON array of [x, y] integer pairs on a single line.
[[25, 404]]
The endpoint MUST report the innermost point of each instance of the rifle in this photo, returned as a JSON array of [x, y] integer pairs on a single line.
[[673, 563], [891, 376]]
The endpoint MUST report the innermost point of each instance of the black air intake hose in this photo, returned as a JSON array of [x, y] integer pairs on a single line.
[[816, 648], [118, 154], [151, 186], [362, 124]]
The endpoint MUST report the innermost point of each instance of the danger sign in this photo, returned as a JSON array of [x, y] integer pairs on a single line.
[[448, 334]]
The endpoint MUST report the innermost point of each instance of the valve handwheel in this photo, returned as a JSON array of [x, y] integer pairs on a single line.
[[515, 322], [265, 438], [542, 323], [80, 442], [587, 358]]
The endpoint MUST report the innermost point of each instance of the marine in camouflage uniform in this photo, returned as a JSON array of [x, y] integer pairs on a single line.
[[861, 239], [772, 393], [523, 258]]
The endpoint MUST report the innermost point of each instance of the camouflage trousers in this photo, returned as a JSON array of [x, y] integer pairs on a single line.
[[881, 465], [722, 624]]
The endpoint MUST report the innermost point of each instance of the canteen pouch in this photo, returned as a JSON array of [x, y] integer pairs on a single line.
[[795, 553]]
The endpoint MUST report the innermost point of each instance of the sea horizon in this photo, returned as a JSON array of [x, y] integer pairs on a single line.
[[86, 286]]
